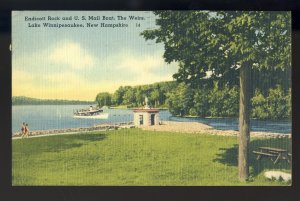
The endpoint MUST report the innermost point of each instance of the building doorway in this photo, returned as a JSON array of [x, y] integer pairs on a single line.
[[141, 119], [152, 119]]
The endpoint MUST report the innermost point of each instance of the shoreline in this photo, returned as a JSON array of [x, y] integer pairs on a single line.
[[200, 128], [168, 126], [100, 127]]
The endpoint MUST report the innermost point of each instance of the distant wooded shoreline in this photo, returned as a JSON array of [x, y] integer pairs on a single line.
[[23, 100]]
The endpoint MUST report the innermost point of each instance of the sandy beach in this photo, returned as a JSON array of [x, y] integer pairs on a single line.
[[196, 127]]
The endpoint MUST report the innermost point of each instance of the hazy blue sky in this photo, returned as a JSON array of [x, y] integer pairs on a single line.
[[77, 63]]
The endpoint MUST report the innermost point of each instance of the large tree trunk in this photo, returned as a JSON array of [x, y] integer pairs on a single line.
[[244, 121]]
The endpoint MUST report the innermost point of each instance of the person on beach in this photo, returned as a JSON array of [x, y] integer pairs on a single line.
[[26, 130], [23, 129]]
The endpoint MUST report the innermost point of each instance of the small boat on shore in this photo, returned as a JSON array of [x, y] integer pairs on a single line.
[[91, 113]]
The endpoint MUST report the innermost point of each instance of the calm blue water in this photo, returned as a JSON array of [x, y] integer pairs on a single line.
[[43, 117], [283, 126]]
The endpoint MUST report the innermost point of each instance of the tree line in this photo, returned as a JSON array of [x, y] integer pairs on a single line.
[[222, 101], [211, 99], [23, 100], [134, 96]]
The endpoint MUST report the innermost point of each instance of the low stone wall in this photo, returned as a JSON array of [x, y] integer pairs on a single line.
[[99, 127]]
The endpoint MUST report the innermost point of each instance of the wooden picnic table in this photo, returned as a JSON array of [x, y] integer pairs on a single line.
[[273, 153]]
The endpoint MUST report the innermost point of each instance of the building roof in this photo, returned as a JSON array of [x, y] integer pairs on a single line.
[[146, 110]]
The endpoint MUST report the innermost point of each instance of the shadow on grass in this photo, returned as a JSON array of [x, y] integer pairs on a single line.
[[229, 156], [61, 143], [87, 137]]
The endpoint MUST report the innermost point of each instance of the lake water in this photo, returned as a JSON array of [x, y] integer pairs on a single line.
[[283, 126], [43, 117]]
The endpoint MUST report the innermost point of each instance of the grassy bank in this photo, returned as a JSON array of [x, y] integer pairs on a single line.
[[136, 157]]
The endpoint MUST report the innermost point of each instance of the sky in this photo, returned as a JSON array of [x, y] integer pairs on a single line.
[[77, 63]]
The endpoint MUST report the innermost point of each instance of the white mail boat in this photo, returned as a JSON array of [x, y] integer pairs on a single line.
[[91, 113]]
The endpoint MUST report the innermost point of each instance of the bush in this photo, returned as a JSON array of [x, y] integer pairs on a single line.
[[277, 104], [259, 106], [223, 102], [180, 100], [231, 102], [200, 103]]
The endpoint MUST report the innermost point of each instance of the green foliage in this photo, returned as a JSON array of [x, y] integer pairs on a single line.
[[22, 100], [231, 102], [180, 100], [200, 103], [223, 41], [129, 96], [276, 105], [289, 102], [118, 96], [155, 96], [139, 95], [104, 99], [264, 79], [205, 101], [135, 157], [216, 100], [222, 101], [134, 96], [259, 106]]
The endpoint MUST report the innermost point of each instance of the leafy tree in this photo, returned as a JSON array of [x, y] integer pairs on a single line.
[[156, 95], [180, 100], [118, 96], [216, 100], [223, 101], [166, 87], [200, 103], [129, 96], [103, 99], [259, 106], [227, 44], [140, 97], [135, 95], [289, 102], [277, 105], [264, 79], [231, 102]]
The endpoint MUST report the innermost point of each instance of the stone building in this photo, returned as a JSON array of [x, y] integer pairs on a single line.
[[146, 116]]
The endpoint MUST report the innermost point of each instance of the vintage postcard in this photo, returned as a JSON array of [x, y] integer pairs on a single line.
[[151, 98]]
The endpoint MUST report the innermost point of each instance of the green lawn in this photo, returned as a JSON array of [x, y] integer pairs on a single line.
[[137, 157]]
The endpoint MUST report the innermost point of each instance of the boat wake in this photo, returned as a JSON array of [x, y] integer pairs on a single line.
[[91, 113], [99, 116]]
